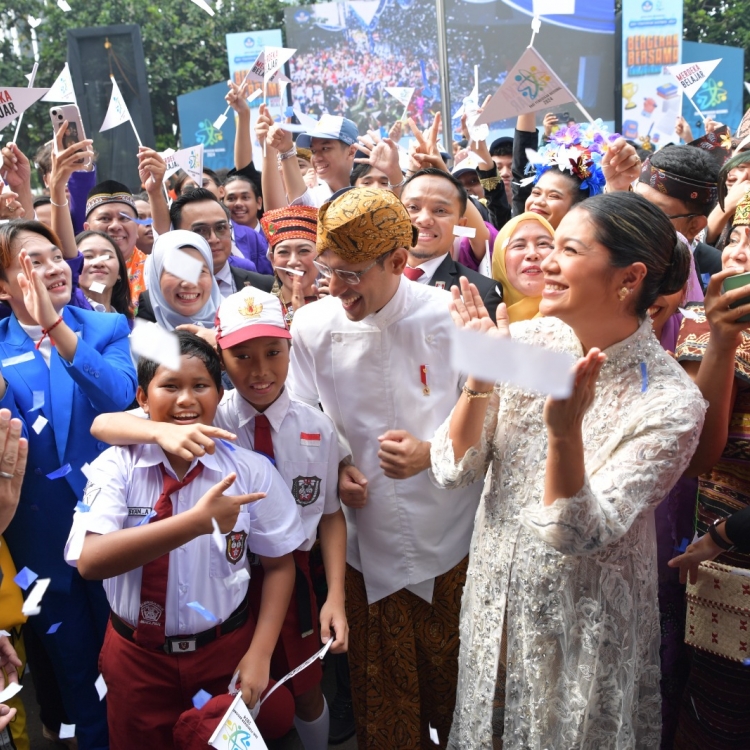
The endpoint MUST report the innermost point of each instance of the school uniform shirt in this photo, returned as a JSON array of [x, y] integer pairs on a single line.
[[124, 486], [305, 449], [314, 196], [225, 281], [367, 376]]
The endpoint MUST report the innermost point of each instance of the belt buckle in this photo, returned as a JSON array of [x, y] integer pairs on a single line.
[[182, 646]]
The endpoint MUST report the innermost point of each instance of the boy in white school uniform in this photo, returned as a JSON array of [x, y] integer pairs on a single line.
[[181, 621]]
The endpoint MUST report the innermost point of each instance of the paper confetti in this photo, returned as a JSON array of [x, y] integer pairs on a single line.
[[240, 576], [227, 444], [433, 734], [39, 424], [140, 222], [54, 628], [4, 633], [687, 313], [38, 400], [33, 600], [97, 287], [25, 577], [59, 473], [82, 507], [683, 545], [218, 537], [25, 357], [101, 687], [292, 271], [147, 518], [644, 377], [151, 341], [746, 662], [183, 266], [67, 731], [62, 5], [85, 470], [201, 610], [469, 232], [13, 689], [201, 698]]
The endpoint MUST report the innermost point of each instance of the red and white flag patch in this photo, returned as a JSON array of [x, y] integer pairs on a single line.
[[310, 438]]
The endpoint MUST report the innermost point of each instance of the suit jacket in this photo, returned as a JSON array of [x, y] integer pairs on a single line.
[[707, 261], [448, 273], [241, 278], [101, 378]]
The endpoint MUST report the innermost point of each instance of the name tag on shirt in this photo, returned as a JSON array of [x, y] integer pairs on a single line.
[[139, 512], [310, 438]]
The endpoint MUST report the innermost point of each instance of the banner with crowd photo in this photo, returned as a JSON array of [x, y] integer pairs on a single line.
[[243, 50], [196, 112], [651, 99], [721, 96], [349, 53]]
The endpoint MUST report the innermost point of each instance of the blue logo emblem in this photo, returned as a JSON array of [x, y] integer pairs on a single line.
[[249, 42], [647, 6]]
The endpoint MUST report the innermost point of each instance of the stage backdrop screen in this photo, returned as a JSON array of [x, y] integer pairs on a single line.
[[347, 53]]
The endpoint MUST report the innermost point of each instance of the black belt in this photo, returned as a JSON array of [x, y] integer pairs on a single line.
[[183, 644]]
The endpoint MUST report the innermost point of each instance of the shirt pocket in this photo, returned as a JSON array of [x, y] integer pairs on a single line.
[[232, 557], [307, 483]]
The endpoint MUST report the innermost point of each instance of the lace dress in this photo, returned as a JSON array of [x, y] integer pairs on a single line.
[[577, 579]]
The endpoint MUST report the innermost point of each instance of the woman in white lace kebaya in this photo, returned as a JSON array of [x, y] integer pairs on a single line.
[[563, 558]]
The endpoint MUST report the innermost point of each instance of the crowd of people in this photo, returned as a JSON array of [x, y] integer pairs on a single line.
[[293, 459]]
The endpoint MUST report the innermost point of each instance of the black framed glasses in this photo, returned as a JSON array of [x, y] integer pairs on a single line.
[[221, 229], [349, 277]]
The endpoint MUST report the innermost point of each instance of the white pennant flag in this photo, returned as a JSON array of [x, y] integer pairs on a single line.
[[15, 101], [402, 93], [275, 57], [259, 68], [237, 729], [692, 76], [189, 160], [530, 85], [205, 6], [117, 112], [62, 89]]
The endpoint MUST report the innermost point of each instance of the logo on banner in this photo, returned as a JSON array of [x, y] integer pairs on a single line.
[[236, 546], [532, 82], [207, 134], [647, 7], [249, 42], [306, 490], [711, 94]]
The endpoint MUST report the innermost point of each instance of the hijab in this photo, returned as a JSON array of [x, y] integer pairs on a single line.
[[520, 307], [165, 315]]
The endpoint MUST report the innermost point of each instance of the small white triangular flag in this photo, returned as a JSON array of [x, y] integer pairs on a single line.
[[62, 89], [117, 112], [692, 76]]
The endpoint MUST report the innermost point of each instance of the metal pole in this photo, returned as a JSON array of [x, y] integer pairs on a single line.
[[445, 103]]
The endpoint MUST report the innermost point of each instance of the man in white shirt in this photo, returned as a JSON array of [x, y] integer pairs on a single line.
[[375, 355]]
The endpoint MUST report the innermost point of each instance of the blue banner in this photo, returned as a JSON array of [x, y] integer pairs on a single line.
[[721, 95], [196, 112]]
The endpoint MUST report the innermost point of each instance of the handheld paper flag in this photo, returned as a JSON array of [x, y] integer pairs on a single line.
[[531, 85], [402, 93], [275, 57], [15, 101], [188, 159], [205, 6], [237, 729], [62, 89], [692, 76], [117, 112], [31, 605]]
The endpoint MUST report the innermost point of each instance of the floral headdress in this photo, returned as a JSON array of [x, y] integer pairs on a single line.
[[577, 149]]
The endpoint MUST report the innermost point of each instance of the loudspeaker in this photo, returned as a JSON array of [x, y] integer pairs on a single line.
[[94, 54]]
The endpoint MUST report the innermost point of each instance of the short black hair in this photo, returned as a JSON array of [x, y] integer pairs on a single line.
[[501, 147], [42, 200], [243, 178], [192, 196], [738, 160], [693, 164], [463, 196], [215, 177], [190, 346]]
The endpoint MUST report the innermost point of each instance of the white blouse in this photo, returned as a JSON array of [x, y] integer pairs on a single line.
[[577, 579]]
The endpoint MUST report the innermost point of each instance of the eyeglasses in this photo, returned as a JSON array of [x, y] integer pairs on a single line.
[[349, 277], [683, 216], [221, 229]]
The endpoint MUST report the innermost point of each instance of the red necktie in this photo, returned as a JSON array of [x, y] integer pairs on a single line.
[[413, 273], [263, 443], [152, 614]]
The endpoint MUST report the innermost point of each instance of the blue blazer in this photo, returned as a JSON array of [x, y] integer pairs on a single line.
[[101, 378]]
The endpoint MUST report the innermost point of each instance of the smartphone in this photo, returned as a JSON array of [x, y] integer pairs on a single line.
[[735, 282], [75, 133]]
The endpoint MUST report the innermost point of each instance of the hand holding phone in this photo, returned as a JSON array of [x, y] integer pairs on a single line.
[[74, 133]]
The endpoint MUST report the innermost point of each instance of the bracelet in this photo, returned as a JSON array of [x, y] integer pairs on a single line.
[[58, 205], [288, 154], [46, 331], [400, 184], [470, 394], [716, 537]]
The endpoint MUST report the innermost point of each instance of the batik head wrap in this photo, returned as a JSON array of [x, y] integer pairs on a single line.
[[676, 186]]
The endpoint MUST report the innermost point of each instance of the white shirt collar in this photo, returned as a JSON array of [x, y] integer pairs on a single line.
[[394, 308], [224, 279], [275, 412], [429, 267], [152, 455]]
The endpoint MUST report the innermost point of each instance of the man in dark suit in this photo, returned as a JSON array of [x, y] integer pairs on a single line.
[[437, 202]]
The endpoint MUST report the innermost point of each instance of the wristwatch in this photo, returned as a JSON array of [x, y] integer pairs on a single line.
[[717, 538]]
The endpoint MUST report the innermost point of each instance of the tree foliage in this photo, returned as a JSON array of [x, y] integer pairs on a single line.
[[185, 48]]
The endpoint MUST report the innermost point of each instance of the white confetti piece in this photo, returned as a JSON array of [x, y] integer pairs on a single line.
[[469, 232], [39, 424], [85, 470], [219, 539], [101, 687], [434, 735], [183, 266], [31, 605], [38, 400], [97, 287], [293, 271], [687, 313], [13, 689], [67, 731], [151, 341], [25, 357], [63, 5], [242, 575]]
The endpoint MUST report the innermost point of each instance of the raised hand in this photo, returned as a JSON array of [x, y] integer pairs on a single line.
[[726, 328], [621, 166], [468, 311], [65, 161], [35, 294], [224, 509], [151, 169], [382, 154], [236, 97]]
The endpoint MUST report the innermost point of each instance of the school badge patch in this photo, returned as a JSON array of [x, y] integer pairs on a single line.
[[306, 490], [236, 541]]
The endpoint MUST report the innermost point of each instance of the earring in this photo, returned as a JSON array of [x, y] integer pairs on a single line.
[[624, 292]]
